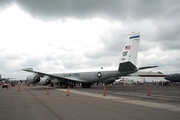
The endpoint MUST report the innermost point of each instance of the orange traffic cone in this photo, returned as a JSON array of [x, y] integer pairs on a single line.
[[149, 91], [104, 90], [67, 91], [47, 91]]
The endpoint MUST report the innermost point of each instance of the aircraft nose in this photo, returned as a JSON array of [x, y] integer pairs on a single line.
[[166, 77]]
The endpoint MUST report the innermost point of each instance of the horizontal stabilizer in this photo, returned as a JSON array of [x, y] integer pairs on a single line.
[[141, 68], [126, 66]]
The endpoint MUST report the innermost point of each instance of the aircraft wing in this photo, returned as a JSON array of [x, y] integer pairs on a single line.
[[52, 76], [41, 74]]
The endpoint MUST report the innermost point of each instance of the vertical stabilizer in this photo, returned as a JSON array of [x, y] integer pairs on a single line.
[[130, 51]]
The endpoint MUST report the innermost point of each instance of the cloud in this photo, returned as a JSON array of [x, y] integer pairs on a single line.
[[83, 9], [66, 34]]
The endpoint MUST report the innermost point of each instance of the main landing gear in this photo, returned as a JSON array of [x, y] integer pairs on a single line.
[[86, 85]]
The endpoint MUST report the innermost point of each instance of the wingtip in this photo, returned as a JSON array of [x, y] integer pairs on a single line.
[[25, 69]]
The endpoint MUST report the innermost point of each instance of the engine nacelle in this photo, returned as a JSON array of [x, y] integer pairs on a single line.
[[45, 81], [32, 79]]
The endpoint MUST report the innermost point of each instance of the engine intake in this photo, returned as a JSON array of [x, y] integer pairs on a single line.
[[32, 79], [45, 81]]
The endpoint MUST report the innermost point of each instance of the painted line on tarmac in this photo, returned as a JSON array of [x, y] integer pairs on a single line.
[[169, 107], [50, 96]]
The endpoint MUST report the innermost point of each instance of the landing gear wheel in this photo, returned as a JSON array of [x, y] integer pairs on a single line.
[[85, 85]]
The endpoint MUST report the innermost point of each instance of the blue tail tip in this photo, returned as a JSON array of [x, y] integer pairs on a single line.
[[136, 36]]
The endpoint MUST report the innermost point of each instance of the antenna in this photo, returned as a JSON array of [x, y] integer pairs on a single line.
[[133, 33]]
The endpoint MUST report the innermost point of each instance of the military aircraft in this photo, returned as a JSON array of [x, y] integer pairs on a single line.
[[173, 77], [123, 66], [5, 79]]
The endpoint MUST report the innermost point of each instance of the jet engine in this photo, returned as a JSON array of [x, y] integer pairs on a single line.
[[45, 81], [32, 79]]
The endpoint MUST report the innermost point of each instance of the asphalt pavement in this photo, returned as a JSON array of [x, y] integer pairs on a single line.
[[40, 103]]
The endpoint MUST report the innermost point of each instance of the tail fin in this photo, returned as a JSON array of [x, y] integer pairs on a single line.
[[130, 51]]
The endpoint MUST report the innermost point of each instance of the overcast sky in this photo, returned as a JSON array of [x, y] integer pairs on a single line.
[[57, 35]]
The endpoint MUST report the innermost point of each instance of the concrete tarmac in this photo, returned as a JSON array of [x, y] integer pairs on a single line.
[[33, 103]]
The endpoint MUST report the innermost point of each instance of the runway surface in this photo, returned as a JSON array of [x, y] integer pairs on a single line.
[[120, 102]]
